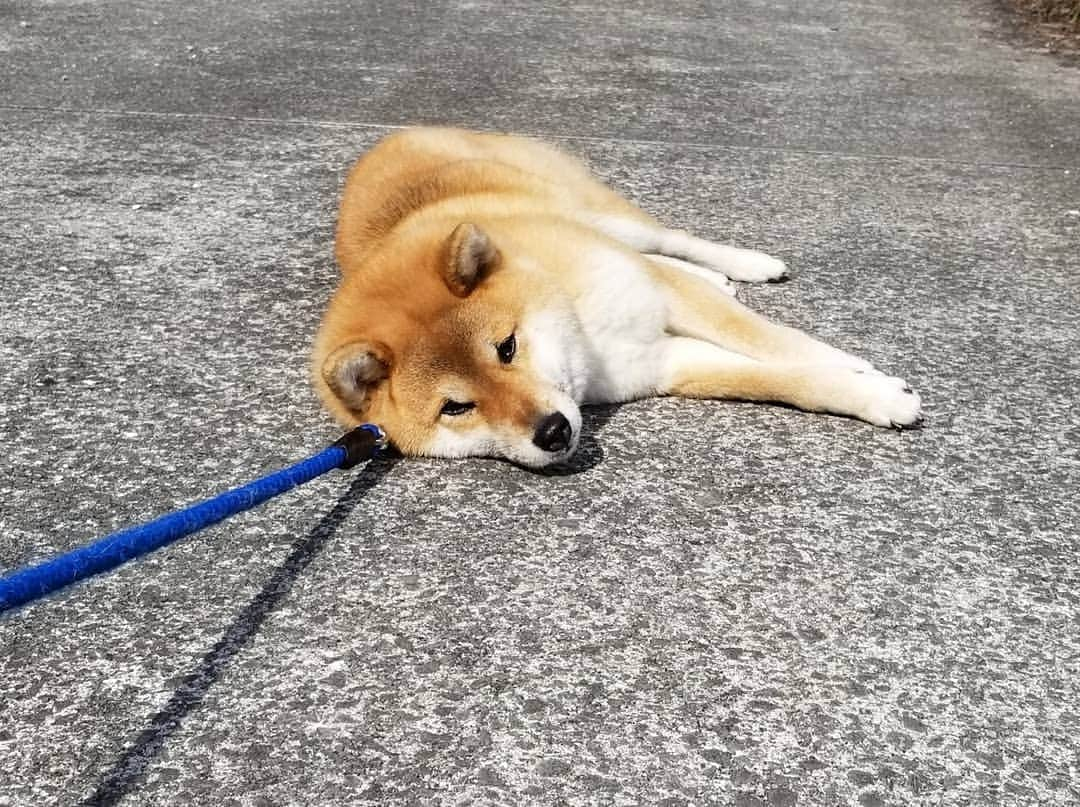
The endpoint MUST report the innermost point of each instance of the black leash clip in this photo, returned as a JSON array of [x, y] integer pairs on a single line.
[[361, 443]]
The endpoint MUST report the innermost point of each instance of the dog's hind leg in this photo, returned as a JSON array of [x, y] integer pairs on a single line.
[[645, 236], [697, 369]]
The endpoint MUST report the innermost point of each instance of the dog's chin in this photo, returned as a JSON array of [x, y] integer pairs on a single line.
[[536, 459]]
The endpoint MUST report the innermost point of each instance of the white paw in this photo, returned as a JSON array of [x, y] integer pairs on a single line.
[[746, 265], [757, 267], [884, 400]]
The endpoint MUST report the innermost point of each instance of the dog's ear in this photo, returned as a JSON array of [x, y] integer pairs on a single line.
[[468, 257], [354, 371]]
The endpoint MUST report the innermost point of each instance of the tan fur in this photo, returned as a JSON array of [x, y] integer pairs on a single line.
[[449, 241], [399, 202]]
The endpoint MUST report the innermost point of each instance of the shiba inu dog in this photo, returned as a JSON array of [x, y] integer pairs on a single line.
[[490, 286]]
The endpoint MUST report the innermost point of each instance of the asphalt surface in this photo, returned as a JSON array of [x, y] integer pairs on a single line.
[[722, 603]]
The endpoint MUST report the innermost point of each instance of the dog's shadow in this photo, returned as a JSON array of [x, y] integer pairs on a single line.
[[590, 453]]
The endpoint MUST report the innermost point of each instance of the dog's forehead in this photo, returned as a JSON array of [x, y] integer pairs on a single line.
[[462, 327], [444, 343]]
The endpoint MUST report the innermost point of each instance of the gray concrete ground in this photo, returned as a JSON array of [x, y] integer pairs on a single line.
[[725, 604]]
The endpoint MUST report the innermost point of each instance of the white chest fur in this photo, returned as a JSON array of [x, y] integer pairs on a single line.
[[623, 316]]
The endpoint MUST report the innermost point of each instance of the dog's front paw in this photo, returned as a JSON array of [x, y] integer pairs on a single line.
[[885, 400], [747, 266], [751, 266], [766, 269]]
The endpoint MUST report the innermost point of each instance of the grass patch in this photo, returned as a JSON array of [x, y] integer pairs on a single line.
[[1055, 12], [1057, 21]]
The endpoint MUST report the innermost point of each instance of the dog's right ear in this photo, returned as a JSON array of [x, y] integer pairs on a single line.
[[354, 371], [468, 258]]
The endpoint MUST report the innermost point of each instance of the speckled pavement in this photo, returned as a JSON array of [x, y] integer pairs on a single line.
[[723, 604]]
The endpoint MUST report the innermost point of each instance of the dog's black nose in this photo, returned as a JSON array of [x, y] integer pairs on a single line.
[[553, 433]]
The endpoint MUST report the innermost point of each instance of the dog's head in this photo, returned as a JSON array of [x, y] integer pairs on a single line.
[[455, 349]]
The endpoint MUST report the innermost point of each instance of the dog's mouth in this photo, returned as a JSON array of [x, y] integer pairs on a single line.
[[539, 461], [554, 447], [560, 457]]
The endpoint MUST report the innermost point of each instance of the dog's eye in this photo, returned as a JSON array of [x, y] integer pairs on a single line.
[[507, 348], [453, 408]]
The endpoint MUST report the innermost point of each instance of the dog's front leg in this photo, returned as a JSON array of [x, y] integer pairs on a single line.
[[746, 265], [694, 368]]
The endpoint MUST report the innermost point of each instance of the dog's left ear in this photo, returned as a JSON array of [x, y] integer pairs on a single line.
[[469, 257]]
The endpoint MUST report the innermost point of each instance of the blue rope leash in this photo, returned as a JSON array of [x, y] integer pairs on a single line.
[[34, 582]]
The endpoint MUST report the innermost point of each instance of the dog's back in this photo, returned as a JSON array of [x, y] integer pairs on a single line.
[[417, 169]]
